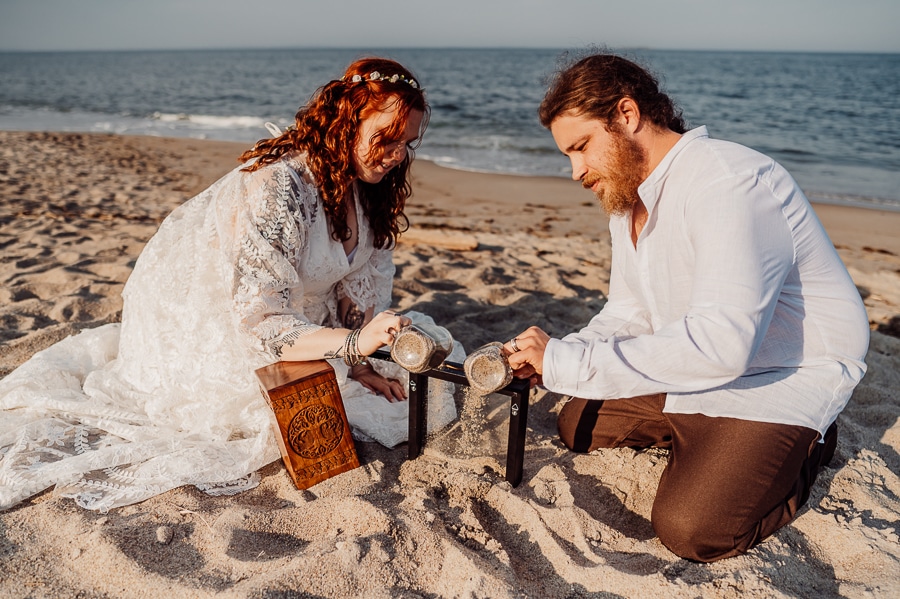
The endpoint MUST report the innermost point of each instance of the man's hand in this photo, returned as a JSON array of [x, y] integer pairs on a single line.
[[525, 353]]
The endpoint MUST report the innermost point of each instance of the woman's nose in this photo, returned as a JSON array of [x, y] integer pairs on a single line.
[[398, 153]]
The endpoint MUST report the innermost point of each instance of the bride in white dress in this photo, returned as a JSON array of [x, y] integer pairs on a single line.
[[288, 257]]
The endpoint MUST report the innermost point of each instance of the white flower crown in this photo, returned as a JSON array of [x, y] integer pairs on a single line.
[[376, 76]]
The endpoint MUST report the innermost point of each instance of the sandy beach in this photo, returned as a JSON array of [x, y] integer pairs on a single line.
[[486, 256]]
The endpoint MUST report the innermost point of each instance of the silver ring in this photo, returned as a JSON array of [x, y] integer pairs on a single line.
[[512, 342], [392, 332]]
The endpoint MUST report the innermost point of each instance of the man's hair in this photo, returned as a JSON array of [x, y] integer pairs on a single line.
[[325, 131], [593, 86]]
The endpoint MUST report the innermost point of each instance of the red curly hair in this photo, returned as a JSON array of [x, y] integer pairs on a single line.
[[326, 130]]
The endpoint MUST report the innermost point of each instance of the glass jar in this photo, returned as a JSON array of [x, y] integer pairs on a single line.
[[421, 347], [487, 369]]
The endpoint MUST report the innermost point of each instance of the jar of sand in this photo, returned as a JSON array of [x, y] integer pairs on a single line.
[[487, 369], [421, 347]]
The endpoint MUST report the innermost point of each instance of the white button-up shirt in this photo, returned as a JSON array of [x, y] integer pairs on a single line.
[[734, 302]]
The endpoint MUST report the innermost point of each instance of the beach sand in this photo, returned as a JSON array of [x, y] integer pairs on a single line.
[[487, 256]]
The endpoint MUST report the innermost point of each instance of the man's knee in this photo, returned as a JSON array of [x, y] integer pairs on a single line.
[[692, 532], [689, 532]]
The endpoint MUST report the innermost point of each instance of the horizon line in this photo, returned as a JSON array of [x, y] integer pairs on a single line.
[[437, 47]]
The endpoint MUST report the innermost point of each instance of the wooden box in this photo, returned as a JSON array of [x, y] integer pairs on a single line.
[[312, 429]]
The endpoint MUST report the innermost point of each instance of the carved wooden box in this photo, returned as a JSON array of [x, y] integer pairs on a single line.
[[313, 433]]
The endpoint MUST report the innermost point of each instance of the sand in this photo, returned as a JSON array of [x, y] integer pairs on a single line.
[[487, 256]]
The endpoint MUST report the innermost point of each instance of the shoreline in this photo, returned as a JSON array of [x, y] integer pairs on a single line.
[[818, 198], [486, 256]]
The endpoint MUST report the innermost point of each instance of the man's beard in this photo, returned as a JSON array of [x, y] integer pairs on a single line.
[[625, 172]]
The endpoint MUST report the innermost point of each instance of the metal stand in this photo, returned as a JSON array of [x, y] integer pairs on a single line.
[[518, 391]]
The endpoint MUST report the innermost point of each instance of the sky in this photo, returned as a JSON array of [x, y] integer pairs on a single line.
[[767, 25]]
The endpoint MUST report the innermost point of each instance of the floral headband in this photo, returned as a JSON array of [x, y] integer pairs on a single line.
[[376, 76]]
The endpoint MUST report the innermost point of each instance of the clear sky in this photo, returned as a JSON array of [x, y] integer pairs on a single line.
[[777, 25]]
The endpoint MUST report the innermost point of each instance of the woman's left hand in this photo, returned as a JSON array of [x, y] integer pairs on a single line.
[[392, 389]]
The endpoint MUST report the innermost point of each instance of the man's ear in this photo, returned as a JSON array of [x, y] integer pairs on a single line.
[[628, 114]]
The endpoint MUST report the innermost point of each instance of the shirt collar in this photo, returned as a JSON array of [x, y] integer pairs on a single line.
[[649, 189]]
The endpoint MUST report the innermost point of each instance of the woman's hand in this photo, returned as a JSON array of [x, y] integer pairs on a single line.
[[392, 389], [380, 331]]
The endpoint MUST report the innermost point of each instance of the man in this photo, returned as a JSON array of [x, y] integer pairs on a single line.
[[732, 335]]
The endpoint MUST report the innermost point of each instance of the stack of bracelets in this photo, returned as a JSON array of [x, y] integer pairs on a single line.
[[352, 357]]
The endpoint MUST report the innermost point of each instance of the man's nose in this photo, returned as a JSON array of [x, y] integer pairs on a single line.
[[578, 168]]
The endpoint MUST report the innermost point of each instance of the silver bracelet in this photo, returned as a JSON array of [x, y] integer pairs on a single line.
[[352, 355]]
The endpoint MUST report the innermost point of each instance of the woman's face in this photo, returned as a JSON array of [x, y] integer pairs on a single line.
[[394, 152]]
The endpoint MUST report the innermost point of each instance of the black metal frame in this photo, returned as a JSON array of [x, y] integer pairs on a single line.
[[518, 391]]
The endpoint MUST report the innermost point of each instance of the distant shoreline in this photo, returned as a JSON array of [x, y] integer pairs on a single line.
[[876, 204]]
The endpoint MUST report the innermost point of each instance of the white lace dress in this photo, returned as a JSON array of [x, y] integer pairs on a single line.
[[120, 413]]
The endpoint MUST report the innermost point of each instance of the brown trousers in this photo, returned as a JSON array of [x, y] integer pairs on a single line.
[[729, 483]]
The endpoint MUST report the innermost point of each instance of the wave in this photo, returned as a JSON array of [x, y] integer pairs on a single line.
[[211, 121]]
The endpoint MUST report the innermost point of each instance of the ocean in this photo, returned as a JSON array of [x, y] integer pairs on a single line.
[[832, 119]]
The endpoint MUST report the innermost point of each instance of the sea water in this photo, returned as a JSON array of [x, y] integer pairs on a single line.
[[832, 119]]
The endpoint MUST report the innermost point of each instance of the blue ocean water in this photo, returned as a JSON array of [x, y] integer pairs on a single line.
[[832, 119]]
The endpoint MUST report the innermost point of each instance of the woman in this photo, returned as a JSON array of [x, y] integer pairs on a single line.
[[288, 257]]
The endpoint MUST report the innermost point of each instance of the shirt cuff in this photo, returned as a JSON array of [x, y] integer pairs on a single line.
[[561, 366]]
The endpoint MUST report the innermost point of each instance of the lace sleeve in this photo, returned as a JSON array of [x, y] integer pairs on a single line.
[[268, 238], [371, 285]]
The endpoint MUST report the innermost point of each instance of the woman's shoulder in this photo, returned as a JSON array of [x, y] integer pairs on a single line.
[[291, 161], [287, 173], [285, 185], [297, 162]]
